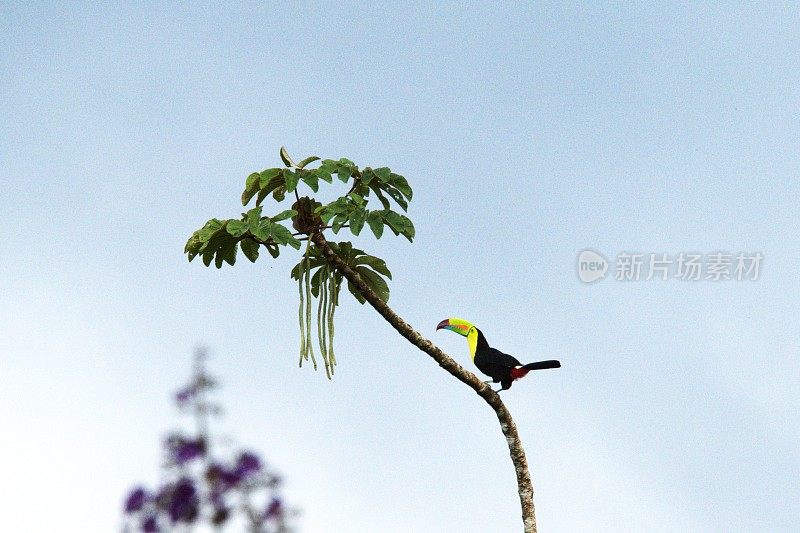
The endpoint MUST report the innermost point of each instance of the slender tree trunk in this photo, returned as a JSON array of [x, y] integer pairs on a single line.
[[483, 390]]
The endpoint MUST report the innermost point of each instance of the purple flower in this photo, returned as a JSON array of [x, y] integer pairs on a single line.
[[150, 525], [136, 500], [183, 450], [230, 478], [274, 509], [222, 478], [189, 450], [184, 505], [183, 396], [247, 464]]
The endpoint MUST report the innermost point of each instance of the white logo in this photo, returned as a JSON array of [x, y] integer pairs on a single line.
[[591, 266]]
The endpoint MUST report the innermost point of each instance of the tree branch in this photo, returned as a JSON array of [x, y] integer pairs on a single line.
[[524, 485]]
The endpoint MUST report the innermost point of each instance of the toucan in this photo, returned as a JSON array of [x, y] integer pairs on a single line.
[[501, 367]]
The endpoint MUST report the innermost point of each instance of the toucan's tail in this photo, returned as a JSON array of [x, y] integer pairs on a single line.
[[541, 365], [519, 372]]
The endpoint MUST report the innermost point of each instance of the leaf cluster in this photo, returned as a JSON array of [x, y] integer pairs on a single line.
[[219, 240], [371, 269], [380, 183]]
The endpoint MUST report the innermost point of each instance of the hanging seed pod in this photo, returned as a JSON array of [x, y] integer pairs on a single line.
[[304, 311], [322, 309], [309, 344], [325, 286], [300, 278], [334, 297]]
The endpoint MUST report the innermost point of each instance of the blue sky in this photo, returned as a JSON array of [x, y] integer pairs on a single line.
[[529, 132]]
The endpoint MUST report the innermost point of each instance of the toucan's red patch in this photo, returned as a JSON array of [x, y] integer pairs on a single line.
[[518, 372]]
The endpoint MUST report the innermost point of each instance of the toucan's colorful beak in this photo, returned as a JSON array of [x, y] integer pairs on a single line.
[[457, 325]]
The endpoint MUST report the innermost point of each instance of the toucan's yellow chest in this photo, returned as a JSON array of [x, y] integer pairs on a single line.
[[472, 341]]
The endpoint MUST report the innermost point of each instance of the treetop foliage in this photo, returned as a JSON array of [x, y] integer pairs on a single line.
[[219, 240], [372, 200]]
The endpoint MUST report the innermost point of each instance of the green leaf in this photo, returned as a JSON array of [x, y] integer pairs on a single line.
[[251, 187], [193, 246], [210, 228], [408, 229], [254, 216], [268, 175], [286, 159], [375, 223], [383, 173], [324, 174], [384, 202], [360, 189], [250, 249], [376, 263], [213, 235], [327, 214], [375, 282], [344, 173], [291, 179], [283, 215], [236, 228], [315, 281], [273, 250], [279, 234], [394, 220], [397, 197], [261, 231], [345, 250], [329, 166], [343, 205], [307, 160], [339, 221], [357, 198], [356, 293], [226, 253], [279, 194], [401, 184], [357, 218], [366, 175], [284, 236], [261, 195], [339, 206], [311, 179], [315, 258]]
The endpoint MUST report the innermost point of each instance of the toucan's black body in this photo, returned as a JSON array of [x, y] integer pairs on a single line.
[[504, 368], [499, 366]]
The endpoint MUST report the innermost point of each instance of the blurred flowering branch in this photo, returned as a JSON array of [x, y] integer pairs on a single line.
[[200, 488]]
